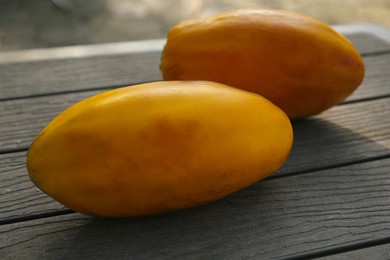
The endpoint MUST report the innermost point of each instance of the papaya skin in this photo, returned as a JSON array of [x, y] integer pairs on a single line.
[[299, 63], [158, 147]]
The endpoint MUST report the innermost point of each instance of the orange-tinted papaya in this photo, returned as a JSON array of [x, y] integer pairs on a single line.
[[158, 147], [300, 64]]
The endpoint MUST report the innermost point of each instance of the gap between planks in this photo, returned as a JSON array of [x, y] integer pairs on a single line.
[[339, 249], [53, 213]]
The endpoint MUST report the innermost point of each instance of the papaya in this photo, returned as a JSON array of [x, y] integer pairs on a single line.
[[158, 147], [297, 62]]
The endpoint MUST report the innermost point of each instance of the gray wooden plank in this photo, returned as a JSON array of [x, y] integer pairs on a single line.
[[343, 132], [349, 133], [22, 79], [346, 133], [42, 77], [22, 119], [379, 252], [367, 43], [19, 79], [379, 31], [18, 196], [330, 136], [377, 76], [272, 219]]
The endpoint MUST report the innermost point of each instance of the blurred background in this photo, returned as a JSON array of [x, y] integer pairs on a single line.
[[28, 24]]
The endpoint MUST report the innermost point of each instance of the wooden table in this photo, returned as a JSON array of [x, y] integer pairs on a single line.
[[331, 199]]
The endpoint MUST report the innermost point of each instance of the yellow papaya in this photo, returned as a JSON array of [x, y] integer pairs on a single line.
[[158, 147], [297, 62]]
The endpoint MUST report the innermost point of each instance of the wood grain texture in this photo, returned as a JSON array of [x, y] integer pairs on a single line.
[[23, 119], [272, 219], [346, 133], [18, 195], [56, 76], [377, 76], [380, 252], [334, 191], [21, 79], [358, 129]]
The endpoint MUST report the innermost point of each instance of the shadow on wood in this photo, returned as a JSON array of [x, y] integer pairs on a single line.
[[272, 218], [320, 143]]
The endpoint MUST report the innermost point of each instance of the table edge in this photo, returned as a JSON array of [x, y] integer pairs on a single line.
[[142, 46]]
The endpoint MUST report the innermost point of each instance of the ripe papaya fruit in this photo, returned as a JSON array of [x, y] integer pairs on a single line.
[[158, 147], [299, 63]]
